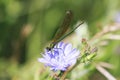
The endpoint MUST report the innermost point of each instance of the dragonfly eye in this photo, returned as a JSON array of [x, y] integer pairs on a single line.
[[48, 48]]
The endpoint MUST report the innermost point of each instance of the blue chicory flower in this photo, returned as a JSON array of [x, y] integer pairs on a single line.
[[60, 57]]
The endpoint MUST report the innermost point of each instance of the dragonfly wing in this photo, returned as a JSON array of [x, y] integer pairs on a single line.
[[63, 28]]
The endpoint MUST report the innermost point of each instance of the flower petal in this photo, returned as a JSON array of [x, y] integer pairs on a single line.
[[68, 48]]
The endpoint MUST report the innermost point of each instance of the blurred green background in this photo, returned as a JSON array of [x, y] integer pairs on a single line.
[[26, 26]]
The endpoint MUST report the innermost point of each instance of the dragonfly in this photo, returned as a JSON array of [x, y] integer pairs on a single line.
[[60, 34]]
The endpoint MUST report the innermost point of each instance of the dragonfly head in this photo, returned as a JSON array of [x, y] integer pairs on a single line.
[[50, 47]]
